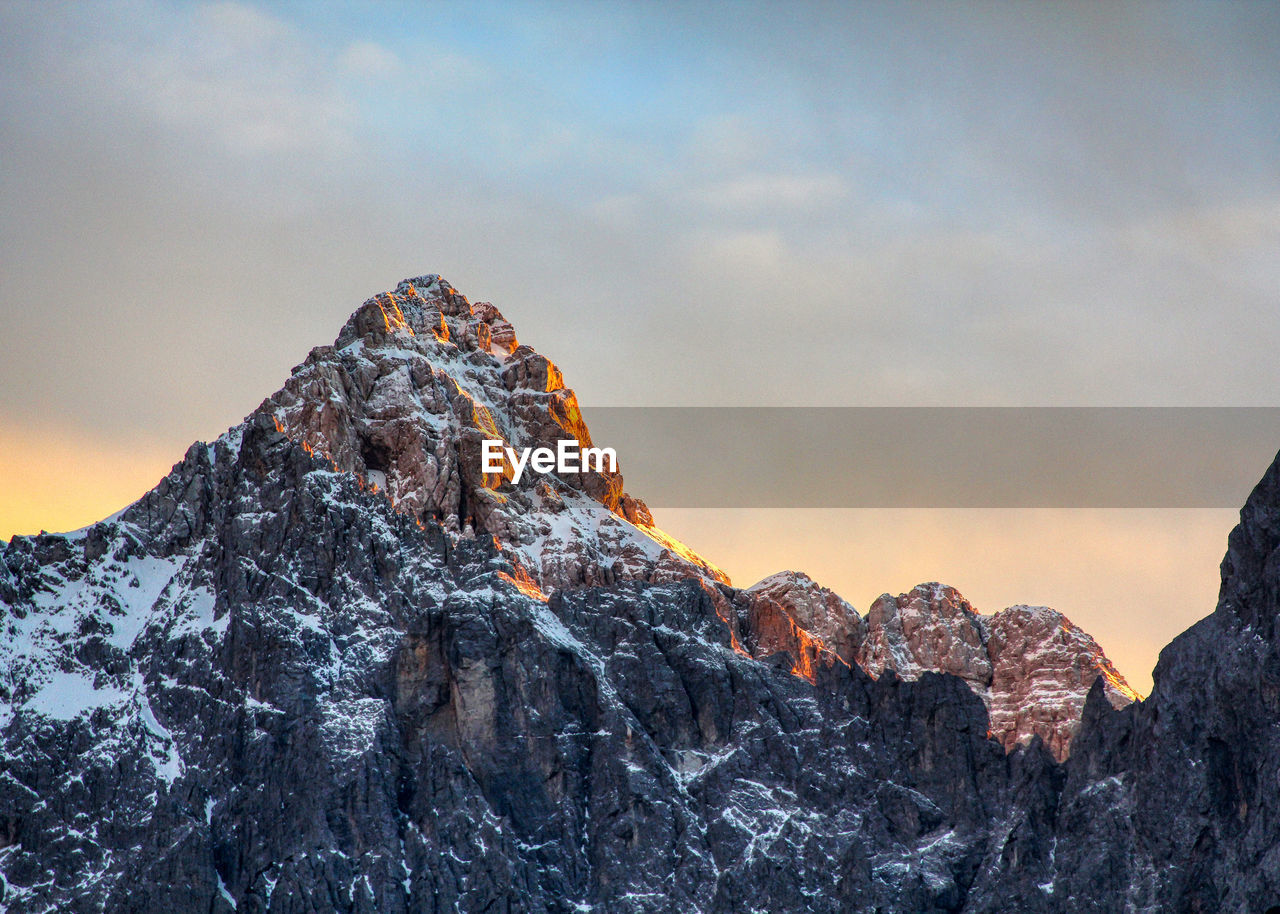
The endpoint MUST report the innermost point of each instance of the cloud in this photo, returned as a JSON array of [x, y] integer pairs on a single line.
[[223, 74], [368, 60], [756, 256], [754, 192], [242, 24], [731, 140], [889, 226]]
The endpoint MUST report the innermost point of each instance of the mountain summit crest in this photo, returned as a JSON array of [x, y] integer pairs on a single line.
[[417, 379]]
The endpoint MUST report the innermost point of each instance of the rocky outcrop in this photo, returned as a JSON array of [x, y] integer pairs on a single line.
[[403, 399], [1042, 667], [791, 598], [790, 615], [1030, 665], [931, 628]]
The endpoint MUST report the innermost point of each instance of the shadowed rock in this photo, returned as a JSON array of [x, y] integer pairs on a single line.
[[325, 667]]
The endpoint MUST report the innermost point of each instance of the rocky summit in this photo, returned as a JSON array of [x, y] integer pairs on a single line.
[[329, 664]]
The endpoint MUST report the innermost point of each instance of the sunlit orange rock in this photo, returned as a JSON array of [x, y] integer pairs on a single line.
[[416, 381]]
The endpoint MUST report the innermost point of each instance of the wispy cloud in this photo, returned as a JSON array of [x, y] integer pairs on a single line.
[[369, 60], [980, 205], [754, 192]]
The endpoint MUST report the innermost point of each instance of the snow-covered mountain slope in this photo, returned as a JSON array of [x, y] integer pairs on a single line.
[[328, 665]]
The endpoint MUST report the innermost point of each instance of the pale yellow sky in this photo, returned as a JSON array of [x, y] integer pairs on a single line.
[[1132, 578], [56, 479]]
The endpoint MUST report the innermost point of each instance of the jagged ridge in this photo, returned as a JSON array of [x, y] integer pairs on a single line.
[[419, 376], [324, 693]]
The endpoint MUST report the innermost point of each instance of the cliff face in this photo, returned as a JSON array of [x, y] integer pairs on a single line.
[[1029, 664], [1178, 791], [327, 665], [416, 380]]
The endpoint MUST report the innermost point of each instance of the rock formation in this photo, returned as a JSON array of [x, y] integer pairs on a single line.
[[416, 380], [326, 665], [1030, 665]]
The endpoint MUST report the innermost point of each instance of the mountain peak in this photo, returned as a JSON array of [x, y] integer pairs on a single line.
[[1031, 665], [419, 377], [334, 594], [417, 380], [425, 306]]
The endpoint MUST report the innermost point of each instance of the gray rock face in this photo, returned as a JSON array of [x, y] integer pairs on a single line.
[[1029, 664], [308, 702], [416, 381], [282, 683], [1171, 803]]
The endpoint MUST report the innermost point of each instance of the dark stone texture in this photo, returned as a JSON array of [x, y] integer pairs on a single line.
[[263, 688]]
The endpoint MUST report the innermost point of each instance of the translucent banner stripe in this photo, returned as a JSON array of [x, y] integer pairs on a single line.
[[939, 457]]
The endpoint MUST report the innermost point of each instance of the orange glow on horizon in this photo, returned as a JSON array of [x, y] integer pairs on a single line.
[[1131, 579], [61, 479]]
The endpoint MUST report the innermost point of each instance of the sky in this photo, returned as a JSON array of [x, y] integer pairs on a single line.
[[802, 204]]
